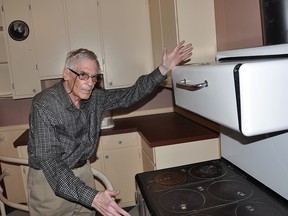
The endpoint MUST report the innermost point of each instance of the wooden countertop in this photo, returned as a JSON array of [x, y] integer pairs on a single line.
[[157, 129]]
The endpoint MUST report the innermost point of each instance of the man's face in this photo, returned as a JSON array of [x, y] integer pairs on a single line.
[[81, 89]]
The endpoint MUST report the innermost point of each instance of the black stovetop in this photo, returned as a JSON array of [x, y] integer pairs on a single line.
[[212, 188]]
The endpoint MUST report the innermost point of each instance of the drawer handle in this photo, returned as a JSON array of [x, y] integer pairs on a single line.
[[183, 85]]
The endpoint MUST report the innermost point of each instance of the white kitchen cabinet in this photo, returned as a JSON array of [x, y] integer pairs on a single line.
[[84, 26], [20, 54], [15, 184], [191, 20], [22, 153], [121, 162], [126, 41], [179, 154], [51, 39], [118, 157], [5, 83], [118, 32], [121, 43], [3, 57]]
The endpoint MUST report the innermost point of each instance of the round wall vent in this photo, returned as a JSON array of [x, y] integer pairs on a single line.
[[18, 30]]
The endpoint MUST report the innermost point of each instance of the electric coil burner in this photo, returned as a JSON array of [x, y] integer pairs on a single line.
[[213, 188], [207, 170]]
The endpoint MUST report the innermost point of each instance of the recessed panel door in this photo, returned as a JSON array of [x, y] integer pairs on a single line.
[[21, 52]]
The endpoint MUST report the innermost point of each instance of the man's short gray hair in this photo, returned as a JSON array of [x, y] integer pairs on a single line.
[[75, 56]]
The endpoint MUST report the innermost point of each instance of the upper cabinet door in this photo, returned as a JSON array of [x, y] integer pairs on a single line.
[[191, 20], [5, 83], [126, 41], [84, 26], [50, 37], [21, 53], [196, 24]]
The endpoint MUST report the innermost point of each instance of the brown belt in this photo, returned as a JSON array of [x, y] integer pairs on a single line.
[[79, 164]]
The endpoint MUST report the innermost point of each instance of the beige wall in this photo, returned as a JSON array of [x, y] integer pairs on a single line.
[[238, 24]]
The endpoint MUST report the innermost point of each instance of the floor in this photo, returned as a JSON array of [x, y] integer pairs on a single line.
[[18, 213], [12, 212]]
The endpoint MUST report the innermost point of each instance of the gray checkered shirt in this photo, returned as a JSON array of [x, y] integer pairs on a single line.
[[60, 134]]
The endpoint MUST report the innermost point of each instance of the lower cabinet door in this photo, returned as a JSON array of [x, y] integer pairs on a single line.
[[121, 165]]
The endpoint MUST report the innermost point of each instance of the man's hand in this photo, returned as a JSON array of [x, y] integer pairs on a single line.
[[104, 203], [180, 54]]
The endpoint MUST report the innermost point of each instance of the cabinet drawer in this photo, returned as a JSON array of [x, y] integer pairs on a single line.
[[216, 101], [119, 140], [187, 153], [7, 137], [236, 95]]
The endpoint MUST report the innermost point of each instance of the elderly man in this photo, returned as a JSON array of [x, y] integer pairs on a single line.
[[65, 124]]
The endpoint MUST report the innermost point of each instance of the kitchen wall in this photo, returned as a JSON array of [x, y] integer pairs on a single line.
[[15, 112], [238, 24]]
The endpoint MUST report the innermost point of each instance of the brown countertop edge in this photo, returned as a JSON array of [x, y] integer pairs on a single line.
[[162, 129], [157, 129]]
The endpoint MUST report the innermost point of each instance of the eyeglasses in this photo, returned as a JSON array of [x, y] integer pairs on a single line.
[[84, 76]]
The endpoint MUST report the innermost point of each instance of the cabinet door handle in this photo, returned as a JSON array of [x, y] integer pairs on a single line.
[[120, 142], [106, 157], [183, 85]]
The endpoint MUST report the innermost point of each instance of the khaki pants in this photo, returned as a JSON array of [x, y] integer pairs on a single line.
[[43, 202]]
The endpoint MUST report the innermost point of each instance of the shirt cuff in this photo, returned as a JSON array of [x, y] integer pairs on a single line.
[[88, 197]]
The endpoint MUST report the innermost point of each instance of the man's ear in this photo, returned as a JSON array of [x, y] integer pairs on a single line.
[[66, 75]]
